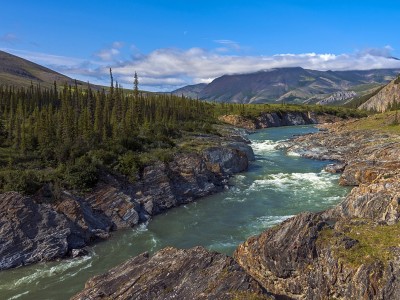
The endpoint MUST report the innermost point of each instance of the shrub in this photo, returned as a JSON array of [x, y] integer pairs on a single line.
[[102, 157], [23, 181], [128, 164], [82, 175]]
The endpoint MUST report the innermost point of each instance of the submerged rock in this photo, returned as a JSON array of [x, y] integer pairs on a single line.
[[175, 274]]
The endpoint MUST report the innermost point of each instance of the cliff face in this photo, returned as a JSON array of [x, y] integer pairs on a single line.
[[350, 251], [175, 274], [277, 119], [385, 98], [33, 231]]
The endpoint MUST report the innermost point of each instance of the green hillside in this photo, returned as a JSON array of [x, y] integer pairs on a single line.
[[18, 72]]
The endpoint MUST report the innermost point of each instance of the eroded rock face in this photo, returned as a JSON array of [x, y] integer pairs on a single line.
[[33, 231], [277, 257], [310, 257], [378, 201], [175, 274], [384, 98]]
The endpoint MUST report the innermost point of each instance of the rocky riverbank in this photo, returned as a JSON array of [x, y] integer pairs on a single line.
[[351, 251], [278, 119], [34, 229]]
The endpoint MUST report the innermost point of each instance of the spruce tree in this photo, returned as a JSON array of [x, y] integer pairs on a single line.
[[136, 85]]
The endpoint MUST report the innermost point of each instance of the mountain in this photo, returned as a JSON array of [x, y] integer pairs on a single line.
[[293, 85], [385, 98], [20, 72], [191, 91]]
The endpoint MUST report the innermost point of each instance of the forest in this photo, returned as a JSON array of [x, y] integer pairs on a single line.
[[65, 136]]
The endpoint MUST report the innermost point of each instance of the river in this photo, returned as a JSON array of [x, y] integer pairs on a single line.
[[276, 187]]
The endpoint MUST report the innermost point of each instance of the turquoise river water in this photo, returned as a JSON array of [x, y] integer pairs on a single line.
[[277, 186]]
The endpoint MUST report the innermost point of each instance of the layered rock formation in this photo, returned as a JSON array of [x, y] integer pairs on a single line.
[[338, 97], [314, 257], [175, 274], [351, 251], [387, 97], [33, 230]]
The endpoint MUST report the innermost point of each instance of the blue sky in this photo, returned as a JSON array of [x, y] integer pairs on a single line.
[[174, 43]]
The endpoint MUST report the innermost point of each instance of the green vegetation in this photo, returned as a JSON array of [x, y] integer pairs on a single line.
[[374, 242], [397, 81], [383, 122], [67, 136], [254, 110]]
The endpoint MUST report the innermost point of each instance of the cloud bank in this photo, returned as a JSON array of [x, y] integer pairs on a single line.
[[168, 69]]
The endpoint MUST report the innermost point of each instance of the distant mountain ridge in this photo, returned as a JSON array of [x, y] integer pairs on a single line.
[[291, 85], [191, 91]]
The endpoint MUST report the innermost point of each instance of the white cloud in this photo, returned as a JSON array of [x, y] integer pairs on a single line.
[[118, 45], [167, 69], [228, 44], [9, 38], [198, 65], [384, 52], [110, 53]]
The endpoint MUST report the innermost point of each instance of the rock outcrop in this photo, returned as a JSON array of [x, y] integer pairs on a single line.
[[33, 230], [338, 97], [311, 257], [385, 98], [175, 274], [351, 251], [278, 119]]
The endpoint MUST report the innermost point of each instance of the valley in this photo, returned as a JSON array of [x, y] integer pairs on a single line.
[[227, 151]]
